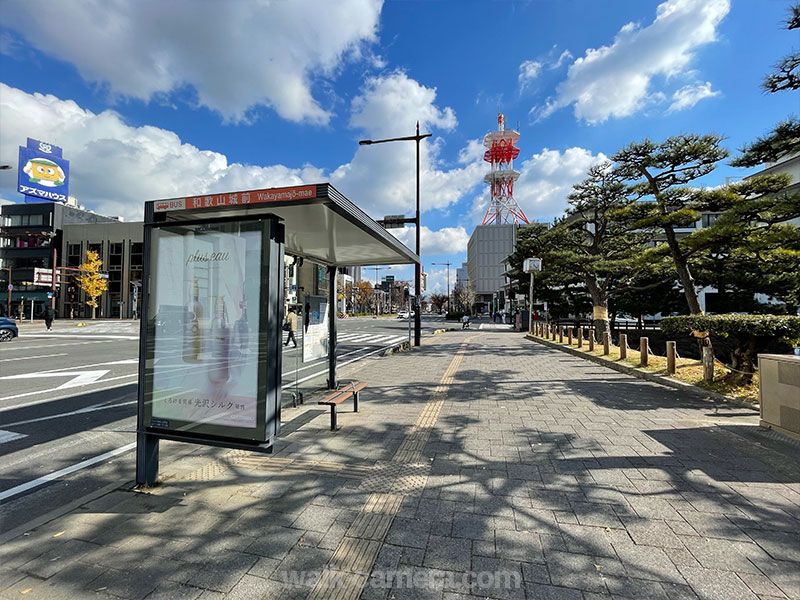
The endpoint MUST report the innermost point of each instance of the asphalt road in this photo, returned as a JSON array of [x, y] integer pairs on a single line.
[[68, 406]]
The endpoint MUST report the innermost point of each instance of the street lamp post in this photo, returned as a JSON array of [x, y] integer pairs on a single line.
[[448, 281], [417, 267]]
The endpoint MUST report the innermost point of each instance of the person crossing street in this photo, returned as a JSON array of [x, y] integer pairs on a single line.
[[291, 327]]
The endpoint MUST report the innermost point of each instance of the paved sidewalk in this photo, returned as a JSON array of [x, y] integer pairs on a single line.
[[480, 466]]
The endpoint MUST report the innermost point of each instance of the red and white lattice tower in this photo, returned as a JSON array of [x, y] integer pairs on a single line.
[[501, 154]]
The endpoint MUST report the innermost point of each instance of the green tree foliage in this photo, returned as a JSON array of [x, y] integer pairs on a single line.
[[752, 248], [593, 254], [783, 140], [90, 281], [787, 72], [660, 173], [752, 334]]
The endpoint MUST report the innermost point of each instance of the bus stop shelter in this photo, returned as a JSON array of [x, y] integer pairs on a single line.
[[212, 310]]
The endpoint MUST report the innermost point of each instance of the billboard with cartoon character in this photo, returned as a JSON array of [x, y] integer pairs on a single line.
[[43, 173]]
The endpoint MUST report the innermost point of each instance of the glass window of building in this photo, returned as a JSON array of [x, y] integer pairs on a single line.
[[74, 256], [115, 256], [136, 256]]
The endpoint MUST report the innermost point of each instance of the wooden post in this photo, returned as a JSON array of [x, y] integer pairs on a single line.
[[569, 335], [671, 358], [623, 345], [560, 334], [708, 364], [591, 339], [580, 337], [553, 332], [606, 343], [643, 351]]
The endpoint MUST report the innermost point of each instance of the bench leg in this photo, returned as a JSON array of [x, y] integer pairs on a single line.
[[333, 417], [355, 402]]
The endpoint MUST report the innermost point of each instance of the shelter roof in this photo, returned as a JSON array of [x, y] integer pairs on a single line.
[[321, 223]]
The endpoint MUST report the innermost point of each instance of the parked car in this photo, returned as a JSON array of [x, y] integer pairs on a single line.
[[8, 329], [403, 314]]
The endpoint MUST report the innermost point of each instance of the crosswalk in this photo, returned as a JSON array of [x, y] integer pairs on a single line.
[[361, 339]]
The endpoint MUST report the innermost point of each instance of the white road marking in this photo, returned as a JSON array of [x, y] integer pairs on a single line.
[[2, 410], [80, 411], [15, 491], [10, 436], [18, 346], [79, 378], [32, 357], [79, 336]]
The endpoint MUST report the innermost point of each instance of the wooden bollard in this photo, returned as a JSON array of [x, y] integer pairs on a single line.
[[580, 337], [643, 351], [708, 364], [569, 335], [591, 340], [606, 343], [560, 334], [553, 332], [623, 345], [671, 358]]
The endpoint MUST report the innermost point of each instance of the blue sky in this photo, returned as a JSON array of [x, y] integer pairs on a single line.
[[155, 99]]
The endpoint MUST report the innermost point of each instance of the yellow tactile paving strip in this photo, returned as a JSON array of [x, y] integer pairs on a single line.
[[405, 474]]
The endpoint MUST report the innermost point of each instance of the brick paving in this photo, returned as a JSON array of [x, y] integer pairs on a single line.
[[482, 465]]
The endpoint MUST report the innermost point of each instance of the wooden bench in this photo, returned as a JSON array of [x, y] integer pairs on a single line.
[[335, 398]]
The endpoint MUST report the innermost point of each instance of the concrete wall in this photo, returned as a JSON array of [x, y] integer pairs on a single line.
[[488, 246]]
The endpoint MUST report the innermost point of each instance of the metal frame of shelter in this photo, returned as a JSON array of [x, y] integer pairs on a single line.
[[315, 222]]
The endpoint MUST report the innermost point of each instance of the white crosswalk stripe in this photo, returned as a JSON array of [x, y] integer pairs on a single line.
[[350, 339]]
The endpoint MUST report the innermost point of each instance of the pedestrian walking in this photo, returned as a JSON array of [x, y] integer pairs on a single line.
[[465, 322], [291, 326], [49, 315]]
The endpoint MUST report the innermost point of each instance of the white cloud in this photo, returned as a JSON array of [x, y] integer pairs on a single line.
[[689, 95], [528, 71], [545, 182], [116, 167], [448, 240], [616, 80], [235, 55], [562, 58], [388, 107]]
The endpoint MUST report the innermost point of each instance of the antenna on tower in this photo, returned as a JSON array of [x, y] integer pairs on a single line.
[[502, 151]]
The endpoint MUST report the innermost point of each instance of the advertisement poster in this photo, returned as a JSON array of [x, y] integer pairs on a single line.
[[43, 173], [205, 309], [315, 329]]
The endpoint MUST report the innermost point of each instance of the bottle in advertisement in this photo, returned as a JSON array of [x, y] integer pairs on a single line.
[[192, 332], [220, 344]]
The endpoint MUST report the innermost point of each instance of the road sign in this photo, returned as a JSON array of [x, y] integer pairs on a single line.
[[394, 221], [10, 288], [49, 294], [45, 277]]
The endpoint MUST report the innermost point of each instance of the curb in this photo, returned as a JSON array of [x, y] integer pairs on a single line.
[[438, 331], [706, 395]]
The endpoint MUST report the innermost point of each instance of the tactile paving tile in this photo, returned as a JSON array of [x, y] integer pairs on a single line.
[[398, 478], [355, 555], [371, 526], [258, 462]]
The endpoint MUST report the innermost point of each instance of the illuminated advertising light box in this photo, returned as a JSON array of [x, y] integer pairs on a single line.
[[43, 173], [213, 330]]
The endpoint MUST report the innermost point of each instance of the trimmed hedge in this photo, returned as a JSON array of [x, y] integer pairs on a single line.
[[454, 316], [781, 327]]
